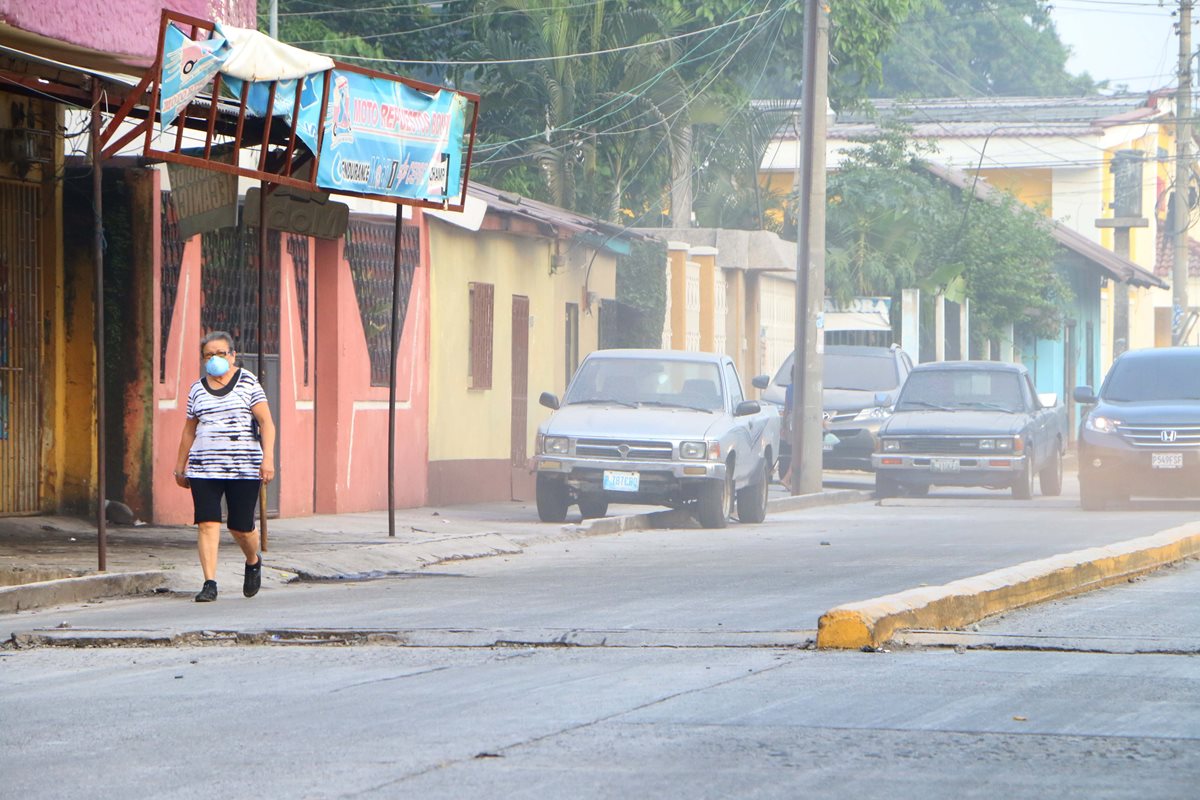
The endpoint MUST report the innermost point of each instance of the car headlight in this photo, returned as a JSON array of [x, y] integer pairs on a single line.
[[878, 412], [987, 444], [891, 445], [558, 445], [694, 450], [1101, 424], [1004, 444]]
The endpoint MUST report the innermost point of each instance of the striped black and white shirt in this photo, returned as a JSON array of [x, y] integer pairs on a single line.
[[225, 446]]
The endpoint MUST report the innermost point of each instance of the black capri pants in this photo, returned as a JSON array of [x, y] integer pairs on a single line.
[[241, 495]]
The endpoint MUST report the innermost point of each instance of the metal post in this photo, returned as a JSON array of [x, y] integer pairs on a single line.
[[273, 20], [1183, 175], [262, 362], [98, 262], [807, 434], [939, 327], [395, 351]]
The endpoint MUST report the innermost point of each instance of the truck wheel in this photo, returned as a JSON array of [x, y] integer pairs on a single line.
[[712, 510], [886, 486], [591, 507], [1050, 479], [551, 499], [1023, 488], [752, 500], [1091, 495]]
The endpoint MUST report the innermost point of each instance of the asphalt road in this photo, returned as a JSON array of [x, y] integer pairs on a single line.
[[687, 691]]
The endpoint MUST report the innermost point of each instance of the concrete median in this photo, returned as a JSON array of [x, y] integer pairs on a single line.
[[82, 589], [871, 623]]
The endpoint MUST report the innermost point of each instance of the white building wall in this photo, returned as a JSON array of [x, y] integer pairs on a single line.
[[777, 321], [692, 309]]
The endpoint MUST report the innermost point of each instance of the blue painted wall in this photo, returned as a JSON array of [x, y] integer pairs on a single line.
[[1046, 359]]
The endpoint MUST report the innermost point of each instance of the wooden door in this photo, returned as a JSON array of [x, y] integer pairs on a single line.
[[522, 482]]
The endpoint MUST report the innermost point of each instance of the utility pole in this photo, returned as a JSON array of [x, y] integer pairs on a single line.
[[807, 429], [1183, 174], [273, 20]]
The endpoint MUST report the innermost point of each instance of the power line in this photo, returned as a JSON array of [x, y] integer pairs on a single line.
[[537, 59]]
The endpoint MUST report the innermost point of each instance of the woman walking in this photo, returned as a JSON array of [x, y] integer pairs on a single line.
[[220, 456]]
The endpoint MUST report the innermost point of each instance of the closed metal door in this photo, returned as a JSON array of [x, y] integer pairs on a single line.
[[20, 349]]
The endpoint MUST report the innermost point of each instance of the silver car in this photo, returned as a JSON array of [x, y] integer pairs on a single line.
[[656, 427]]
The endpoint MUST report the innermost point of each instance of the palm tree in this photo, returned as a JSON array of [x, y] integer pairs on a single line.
[[602, 120]]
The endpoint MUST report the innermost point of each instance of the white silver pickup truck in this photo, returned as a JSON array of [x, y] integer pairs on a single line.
[[657, 427]]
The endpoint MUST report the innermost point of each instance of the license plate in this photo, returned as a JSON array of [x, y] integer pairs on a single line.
[[943, 465], [1166, 460], [621, 481]]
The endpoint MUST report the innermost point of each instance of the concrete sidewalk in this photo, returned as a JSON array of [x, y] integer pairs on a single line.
[[48, 561]]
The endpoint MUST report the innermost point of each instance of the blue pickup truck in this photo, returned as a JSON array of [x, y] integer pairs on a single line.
[[971, 423]]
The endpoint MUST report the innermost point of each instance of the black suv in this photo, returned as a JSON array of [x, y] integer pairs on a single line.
[[854, 379], [1141, 435]]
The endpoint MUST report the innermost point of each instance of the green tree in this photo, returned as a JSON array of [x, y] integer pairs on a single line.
[[588, 126], [891, 224], [957, 48]]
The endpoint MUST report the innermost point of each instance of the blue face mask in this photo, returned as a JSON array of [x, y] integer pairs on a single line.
[[216, 366]]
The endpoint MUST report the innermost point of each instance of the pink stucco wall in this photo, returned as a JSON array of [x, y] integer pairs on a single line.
[[128, 27], [352, 423], [333, 430]]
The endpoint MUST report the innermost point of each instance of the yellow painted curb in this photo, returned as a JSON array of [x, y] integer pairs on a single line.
[[960, 603]]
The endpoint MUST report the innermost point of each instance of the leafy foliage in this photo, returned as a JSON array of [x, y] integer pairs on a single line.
[[957, 48], [642, 284], [891, 225]]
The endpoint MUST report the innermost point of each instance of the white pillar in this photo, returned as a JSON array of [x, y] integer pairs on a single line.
[[1006, 344], [910, 323], [964, 329], [939, 327]]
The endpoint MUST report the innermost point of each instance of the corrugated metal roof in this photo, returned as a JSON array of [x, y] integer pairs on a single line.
[[994, 116], [547, 214]]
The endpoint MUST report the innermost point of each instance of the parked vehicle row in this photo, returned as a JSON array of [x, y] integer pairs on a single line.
[[675, 428]]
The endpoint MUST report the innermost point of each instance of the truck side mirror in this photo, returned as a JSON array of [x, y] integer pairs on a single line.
[[1085, 395], [883, 399], [746, 408], [549, 400], [761, 381]]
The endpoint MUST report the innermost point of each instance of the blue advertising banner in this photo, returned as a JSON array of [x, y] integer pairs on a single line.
[[188, 65], [383, 137]]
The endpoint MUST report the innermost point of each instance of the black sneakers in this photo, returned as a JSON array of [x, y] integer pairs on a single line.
[[208, 593], [253, 579]]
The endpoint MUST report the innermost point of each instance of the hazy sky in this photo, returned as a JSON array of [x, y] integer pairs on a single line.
[[1129, 42]]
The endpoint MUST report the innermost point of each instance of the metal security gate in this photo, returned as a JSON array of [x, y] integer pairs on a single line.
[[20, 348]]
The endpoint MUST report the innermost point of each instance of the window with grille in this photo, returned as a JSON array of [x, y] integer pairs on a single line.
[[479, 360]]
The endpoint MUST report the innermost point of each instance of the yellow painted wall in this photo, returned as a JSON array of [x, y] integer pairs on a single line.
[[678, 284], [1033, 187], [466, 423]]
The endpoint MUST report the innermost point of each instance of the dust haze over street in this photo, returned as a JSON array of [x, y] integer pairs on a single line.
[[693, 674]]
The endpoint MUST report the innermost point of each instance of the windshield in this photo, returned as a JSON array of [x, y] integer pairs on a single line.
[[958, 389], [844, 371], [1134, 380], [685, 384]]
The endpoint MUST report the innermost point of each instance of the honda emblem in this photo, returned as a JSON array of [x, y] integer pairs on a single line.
[[1168, 436]]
